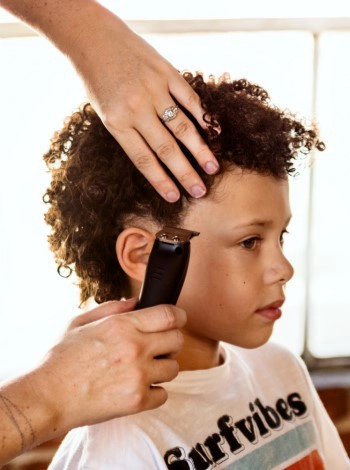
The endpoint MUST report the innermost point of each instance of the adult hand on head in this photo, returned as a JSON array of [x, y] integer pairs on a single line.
[[130, 85], [138, 85], [107, 365]]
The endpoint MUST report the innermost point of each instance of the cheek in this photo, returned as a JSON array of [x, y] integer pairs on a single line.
[[208, 272], [217, 281]]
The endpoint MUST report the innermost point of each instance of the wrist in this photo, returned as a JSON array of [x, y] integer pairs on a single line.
[[26, 420], [47, 396]]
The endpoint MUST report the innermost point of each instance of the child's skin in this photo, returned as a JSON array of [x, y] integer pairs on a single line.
[[237, 267]]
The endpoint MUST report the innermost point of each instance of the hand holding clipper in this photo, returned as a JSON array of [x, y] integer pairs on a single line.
[[167, 267]]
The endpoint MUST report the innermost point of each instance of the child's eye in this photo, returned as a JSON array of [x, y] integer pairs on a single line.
[[282, 236], [250, 243]]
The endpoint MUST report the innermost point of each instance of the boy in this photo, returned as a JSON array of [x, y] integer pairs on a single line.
[[247, 406]]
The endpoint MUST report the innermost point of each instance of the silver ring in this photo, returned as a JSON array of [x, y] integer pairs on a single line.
[[169, 113]]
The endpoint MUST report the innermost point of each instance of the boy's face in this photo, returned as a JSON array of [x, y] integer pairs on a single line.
[[235, 283]]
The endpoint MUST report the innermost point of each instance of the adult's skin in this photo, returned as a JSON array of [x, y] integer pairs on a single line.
[[130, 85], [104, 367]]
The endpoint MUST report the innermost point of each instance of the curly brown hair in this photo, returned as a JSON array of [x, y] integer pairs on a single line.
[[95, 187]]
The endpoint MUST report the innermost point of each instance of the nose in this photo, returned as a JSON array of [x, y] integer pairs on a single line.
[[279, 270]]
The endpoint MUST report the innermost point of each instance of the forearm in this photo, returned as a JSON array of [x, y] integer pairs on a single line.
[[92, 37], [55, 18], [26, 420], [60, 20], [78, 28]]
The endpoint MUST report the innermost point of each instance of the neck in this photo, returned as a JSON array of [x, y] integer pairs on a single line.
[[198, 353]]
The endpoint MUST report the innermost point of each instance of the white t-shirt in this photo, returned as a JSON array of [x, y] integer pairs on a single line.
[[257, 411]]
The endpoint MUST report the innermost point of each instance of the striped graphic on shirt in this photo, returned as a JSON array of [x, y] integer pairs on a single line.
[[280, 450], [312, 460]]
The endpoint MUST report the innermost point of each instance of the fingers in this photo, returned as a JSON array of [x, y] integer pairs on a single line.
[[185, 131], [167, 150], [162, 146], [183, 128], [166, 344], [159, 318], [150, 320], [147, 162], [184, 94], [164, 370], [145, 139], [154, 398]]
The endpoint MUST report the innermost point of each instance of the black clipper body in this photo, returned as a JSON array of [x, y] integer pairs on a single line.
[[167, 267]]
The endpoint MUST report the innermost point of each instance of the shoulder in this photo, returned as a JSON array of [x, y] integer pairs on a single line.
[[271, 359], [119, 444], [269, 351]]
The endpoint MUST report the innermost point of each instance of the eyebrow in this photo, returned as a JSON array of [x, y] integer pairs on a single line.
[[259, 223]]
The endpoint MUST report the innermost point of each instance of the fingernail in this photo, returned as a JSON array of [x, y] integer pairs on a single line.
[[197, 190], [172, 196], [211, 167]]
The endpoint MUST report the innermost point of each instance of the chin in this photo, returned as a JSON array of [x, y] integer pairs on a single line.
[[252, 341]]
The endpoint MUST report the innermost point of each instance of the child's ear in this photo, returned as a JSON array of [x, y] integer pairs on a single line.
[[133, 247]]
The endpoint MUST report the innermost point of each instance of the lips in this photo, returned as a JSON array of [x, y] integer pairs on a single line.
[[271, 311]]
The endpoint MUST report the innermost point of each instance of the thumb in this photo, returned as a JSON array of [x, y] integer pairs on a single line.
[[159, 318]]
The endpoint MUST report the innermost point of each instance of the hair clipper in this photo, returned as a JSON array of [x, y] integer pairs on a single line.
[[167, 267]]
